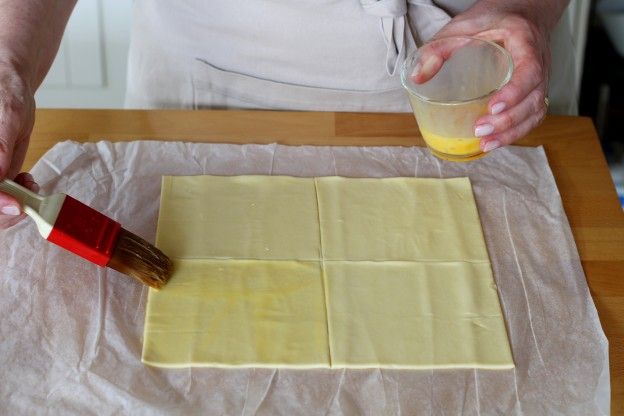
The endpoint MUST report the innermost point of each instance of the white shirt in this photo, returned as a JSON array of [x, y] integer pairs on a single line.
[[296, 54]]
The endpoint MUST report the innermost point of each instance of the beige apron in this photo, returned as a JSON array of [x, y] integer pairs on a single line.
[[309, 55]]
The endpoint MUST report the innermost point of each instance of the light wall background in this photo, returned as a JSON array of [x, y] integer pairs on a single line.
[[90, 68]]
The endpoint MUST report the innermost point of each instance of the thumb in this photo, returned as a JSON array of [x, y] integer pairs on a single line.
[[432, 55], [10, 211]]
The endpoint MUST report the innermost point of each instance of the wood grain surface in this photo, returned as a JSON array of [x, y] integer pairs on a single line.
[[571, 145]]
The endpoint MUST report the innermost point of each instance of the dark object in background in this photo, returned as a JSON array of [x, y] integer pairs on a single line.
[[602, 90]]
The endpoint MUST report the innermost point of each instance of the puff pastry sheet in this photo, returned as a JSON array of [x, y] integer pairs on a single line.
[[324, 272]]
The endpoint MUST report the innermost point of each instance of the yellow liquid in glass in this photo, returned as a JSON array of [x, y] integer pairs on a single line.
[[453, 148]]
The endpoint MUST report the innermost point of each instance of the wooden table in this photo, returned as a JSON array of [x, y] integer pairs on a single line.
[[571, 145]]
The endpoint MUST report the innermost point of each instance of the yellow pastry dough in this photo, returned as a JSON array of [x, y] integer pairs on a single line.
[[415, 315], [399, 219], [238, 313], [324, 272], [240, 217]]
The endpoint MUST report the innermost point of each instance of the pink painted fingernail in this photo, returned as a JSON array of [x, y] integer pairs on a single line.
[[430, 64], [417, 69], [491, 145], [484, 130], [10, 210], [497, 108]]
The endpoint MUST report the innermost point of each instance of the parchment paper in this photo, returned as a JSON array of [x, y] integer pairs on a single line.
[[71, 332]]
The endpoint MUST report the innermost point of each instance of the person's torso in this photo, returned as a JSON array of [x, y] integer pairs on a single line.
[[318, 43], [333, 45]]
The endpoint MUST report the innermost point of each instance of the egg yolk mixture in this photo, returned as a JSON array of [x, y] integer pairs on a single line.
[[458, 146]]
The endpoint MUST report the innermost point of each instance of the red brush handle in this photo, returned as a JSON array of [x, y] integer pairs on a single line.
[[85, 232]]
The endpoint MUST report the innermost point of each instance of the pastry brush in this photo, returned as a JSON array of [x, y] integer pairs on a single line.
[[86, 232]]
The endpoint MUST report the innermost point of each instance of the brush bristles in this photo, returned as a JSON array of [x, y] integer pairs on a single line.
[[138, 258]]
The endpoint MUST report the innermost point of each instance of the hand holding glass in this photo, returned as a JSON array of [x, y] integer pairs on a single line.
[[449, 82]]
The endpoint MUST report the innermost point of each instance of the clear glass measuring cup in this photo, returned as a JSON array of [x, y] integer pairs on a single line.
[[447, 105]]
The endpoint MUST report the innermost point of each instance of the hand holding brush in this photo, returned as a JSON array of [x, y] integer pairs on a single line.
[[86, 232]]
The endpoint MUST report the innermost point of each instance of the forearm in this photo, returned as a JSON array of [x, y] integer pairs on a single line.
[[30, 34]]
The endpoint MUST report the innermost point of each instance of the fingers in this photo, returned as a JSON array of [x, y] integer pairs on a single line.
[[518, 106], [509, 135], [11, 158], [529, 72], [426, 68], [26, 179], [532, 106], [10, 209], [525, 80], [7, 221], [431, 57]]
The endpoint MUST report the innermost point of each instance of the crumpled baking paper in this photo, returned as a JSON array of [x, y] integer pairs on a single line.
[[71, 332]]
